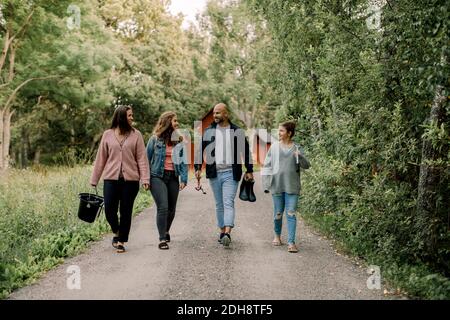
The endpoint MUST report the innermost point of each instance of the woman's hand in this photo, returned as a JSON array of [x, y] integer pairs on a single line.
[[182, 186], [297, 155], [146, 186]]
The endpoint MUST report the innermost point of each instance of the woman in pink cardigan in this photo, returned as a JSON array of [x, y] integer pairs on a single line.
[[122, 160]]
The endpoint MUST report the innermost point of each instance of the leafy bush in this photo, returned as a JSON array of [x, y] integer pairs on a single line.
[[72, 156], [372, 109], [377, 223]]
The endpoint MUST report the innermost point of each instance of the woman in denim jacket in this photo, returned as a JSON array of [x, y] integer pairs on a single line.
[[168, 172]]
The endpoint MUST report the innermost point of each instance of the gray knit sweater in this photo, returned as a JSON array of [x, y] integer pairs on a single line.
[[280, 172]]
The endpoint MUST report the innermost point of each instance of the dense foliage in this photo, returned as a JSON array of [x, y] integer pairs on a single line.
[[372, 97], [366, 81]]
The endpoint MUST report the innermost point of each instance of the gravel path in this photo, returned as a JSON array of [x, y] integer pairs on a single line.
[[198, 267]]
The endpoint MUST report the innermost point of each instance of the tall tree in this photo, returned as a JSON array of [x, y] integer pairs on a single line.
[[239, 45], [50, 61]]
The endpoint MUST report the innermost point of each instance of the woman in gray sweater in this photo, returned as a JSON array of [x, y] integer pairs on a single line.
[[281, 177]]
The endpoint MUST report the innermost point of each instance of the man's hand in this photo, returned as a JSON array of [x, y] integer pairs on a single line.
[[182, 186], [198, 174], [248, 176]]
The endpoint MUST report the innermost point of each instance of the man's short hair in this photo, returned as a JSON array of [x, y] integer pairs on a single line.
[[221, 104]]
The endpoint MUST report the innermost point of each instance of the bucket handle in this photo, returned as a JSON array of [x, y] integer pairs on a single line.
[[96, 193], [101, 208]]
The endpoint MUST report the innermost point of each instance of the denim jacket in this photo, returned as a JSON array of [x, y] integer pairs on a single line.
[[156, 153]]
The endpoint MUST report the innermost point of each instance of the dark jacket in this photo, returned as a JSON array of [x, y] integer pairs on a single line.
[[209, 139]]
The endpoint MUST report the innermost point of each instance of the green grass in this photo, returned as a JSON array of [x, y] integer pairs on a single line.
[[39, 226]]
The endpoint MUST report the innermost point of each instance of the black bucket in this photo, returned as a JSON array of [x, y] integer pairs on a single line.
[[90, 206]]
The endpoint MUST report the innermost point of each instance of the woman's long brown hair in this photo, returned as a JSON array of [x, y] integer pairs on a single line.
[[120, 120], [164, 129]]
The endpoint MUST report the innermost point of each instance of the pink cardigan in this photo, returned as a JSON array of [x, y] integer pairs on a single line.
[[132, 155]]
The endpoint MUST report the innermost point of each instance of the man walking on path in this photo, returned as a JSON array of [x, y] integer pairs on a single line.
[[226, 145]]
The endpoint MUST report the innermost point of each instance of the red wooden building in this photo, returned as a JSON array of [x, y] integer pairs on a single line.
[[205, 122], [262, 141]]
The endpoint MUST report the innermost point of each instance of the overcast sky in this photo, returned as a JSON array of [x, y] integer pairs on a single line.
[[189, 8]]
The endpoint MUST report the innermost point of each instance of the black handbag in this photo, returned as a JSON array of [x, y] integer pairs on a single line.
[[246, 192]]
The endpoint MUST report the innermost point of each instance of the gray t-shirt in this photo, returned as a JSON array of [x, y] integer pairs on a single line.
[[224, 159], [281, 172]]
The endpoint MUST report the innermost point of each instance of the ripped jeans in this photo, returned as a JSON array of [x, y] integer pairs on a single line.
[[285, 202]]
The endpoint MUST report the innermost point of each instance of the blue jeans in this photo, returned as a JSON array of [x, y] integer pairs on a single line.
[[285, 202], [224, 188]]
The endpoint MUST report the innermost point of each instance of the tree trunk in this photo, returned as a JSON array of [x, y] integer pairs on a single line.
[[25, 148], [7, 115], [5, 137], [37, 156], [12, 60], [72, 135], [1, 139], [5, 123], [316, 104], [432, 181], [10, 37], [5, 49], [95, 140], [19, 157]]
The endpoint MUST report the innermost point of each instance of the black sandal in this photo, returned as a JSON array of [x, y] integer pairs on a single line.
[[115, 241], [167, 237], [163, 245], [120, 248]]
